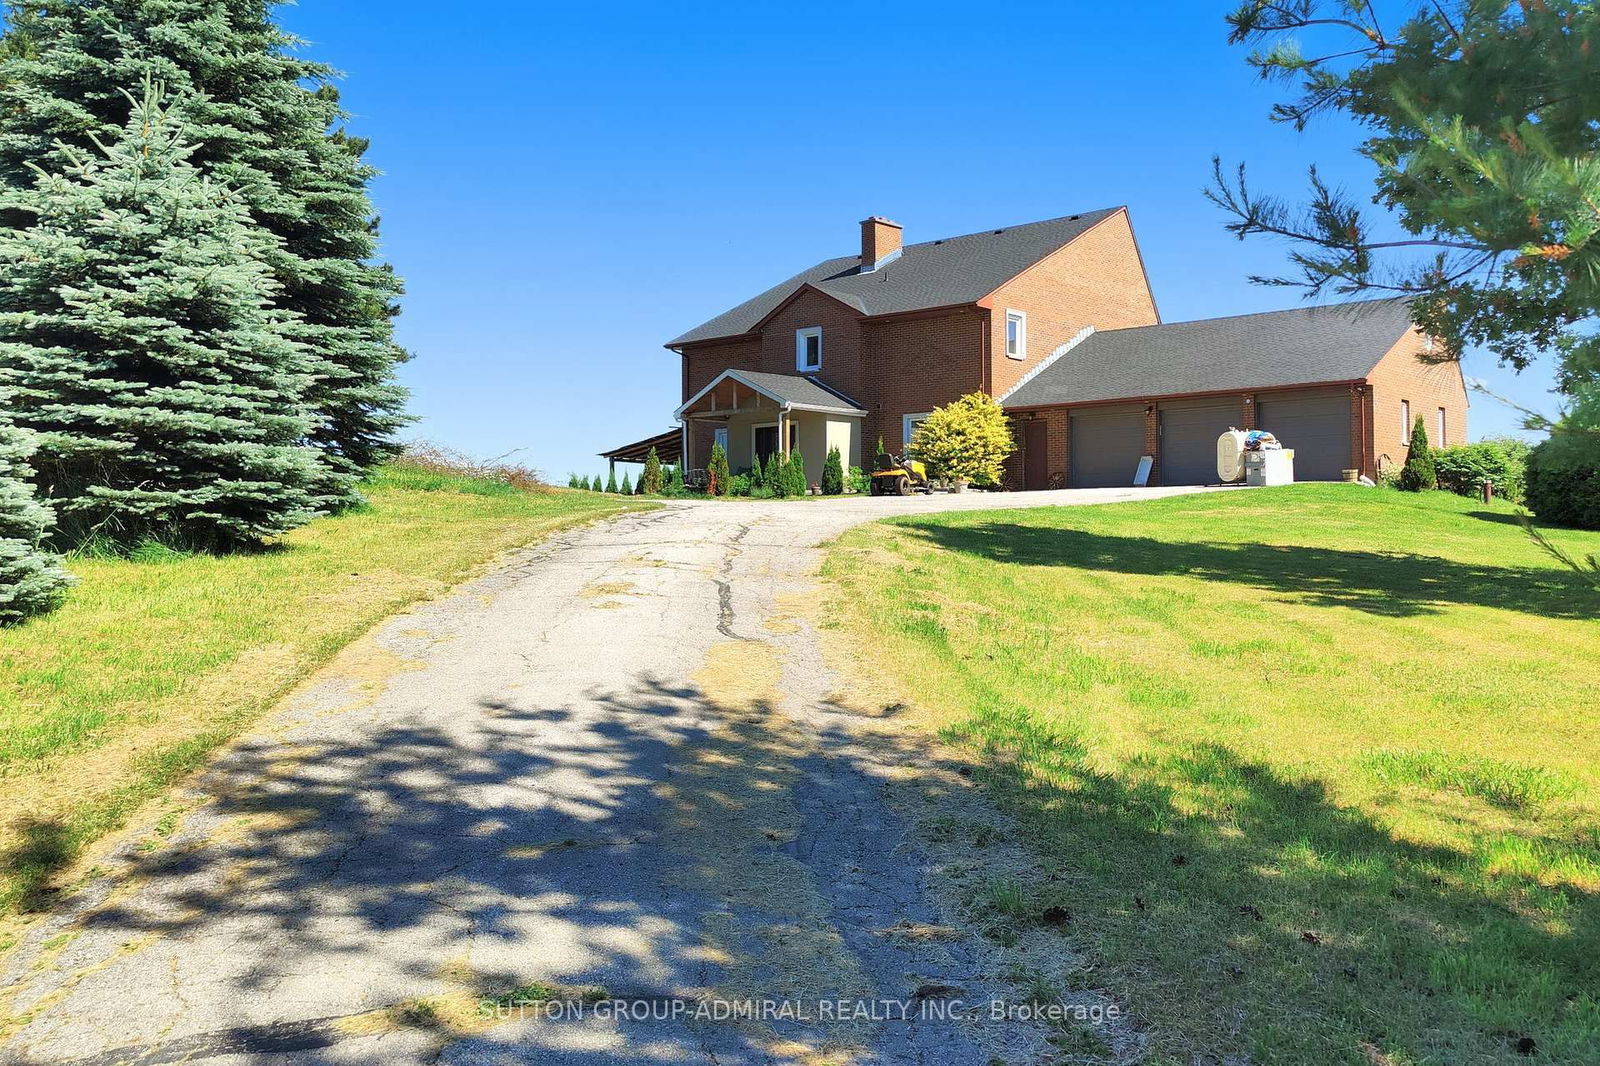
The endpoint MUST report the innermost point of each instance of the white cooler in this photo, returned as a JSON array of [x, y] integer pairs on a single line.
[[1269, 468]]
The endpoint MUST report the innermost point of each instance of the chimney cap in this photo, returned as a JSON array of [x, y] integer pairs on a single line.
[[880, 220]]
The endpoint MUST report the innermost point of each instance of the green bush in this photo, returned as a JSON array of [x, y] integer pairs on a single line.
[[572, 481], [627, 484], [796, 470], [758, 474], [1563, 481], [1464, 468], [859, 481], [611, 483], [739, 485], [833, 473], [651, 482], [1418, 475], [718, 471]]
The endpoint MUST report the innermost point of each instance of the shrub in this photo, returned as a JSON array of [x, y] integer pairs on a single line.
[[675, 480], [739, 485], [833, 473], [611, 482], [1563, 481], [1418, 475], [650, 481], [758, 474], [627, 484], [572, 481], [718, 471], [860, 481], [796, 469], [1464, 468], [966, 440]]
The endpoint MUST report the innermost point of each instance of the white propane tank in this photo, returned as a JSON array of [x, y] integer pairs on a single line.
[[1230, 456]]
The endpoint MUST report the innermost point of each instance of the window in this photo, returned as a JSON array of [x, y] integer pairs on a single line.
[[908, 426], [1405, 420], [1442, 442], [1017, 334], [808, 348]]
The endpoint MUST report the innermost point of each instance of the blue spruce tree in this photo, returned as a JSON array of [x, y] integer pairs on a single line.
[[138, 341]]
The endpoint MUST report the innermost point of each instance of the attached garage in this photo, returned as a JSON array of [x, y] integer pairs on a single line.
[[1106, 445], [1189, 432], [1316, 424]]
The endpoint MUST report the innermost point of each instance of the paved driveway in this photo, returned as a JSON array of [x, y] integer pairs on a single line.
[[618, 761]]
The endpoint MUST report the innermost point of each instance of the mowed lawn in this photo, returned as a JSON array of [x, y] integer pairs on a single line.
[[154, 661], [1315, 770]]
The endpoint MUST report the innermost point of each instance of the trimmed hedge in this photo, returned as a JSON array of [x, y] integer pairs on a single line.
[[1564, 479]]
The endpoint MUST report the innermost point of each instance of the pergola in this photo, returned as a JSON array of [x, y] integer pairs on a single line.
[[668, 444]]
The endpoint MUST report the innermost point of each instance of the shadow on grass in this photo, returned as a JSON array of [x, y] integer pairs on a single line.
[[1251, 918], [1382, 583]]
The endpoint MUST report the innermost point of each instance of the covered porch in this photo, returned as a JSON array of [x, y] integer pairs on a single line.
[[755, 415]]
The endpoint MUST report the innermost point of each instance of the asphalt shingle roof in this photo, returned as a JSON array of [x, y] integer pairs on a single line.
[[1304, 345], [954, 270]]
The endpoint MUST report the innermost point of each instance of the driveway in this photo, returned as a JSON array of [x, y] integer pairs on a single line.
[[617, 762]]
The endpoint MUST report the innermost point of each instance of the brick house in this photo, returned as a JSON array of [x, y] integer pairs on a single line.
[[1055, 319]]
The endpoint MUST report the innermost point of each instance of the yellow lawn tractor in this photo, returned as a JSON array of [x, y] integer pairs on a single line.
[[899, 476]]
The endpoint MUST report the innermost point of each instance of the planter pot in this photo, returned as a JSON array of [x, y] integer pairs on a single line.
[[958, 486]]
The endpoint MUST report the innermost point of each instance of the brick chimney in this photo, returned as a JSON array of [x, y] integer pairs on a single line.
[[880, 242]]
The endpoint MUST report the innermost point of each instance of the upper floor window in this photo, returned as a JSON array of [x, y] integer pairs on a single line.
[[1017, 334], [1405, 420], [808, 348], [1442, 427]]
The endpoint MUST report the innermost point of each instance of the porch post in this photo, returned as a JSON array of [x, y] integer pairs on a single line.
[[783, 433], [688, 444]]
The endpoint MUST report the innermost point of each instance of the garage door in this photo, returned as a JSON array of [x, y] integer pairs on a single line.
[[1315, 424], [1106, 446], [1189, 432]]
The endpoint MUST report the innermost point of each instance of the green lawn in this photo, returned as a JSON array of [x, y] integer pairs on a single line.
[[154, 661], [1316, 770]]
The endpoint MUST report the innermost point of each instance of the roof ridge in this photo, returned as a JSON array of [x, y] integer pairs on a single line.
[[1016, 225], [1262, 314]]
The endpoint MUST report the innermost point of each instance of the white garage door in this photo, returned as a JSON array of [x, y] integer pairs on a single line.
[[1189, 432], [1107, 443], [1315, 424]]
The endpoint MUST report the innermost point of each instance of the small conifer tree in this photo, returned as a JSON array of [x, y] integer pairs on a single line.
[[758, 474], [718, 471], [572, 481], [650, 481], [611, 482], [137, 339], [31, 579], [1419, 475], [627, 484], [833, 473], [796, 472], [675, 478]]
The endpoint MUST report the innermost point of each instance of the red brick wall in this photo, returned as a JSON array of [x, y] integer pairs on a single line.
[[1400, 375], [912, 365], [703, 363], [1097, 280]]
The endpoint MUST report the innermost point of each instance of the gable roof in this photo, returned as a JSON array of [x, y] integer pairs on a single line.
[[1300, 346], [787, 390], [941, 273]]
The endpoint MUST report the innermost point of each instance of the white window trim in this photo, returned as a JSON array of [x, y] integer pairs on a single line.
[[1444, 423], [905, 427], [800, 337], [1022, 334]]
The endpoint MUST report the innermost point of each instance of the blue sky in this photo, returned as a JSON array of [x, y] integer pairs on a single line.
[[567, 186]]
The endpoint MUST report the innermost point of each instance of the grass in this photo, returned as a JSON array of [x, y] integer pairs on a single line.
[[1315, 770], [158, 657]]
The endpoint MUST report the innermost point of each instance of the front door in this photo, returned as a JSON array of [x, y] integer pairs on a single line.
[[1036, 455], [766, 443]]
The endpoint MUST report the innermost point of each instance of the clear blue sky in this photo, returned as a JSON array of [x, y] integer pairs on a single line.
[[567, 186]]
